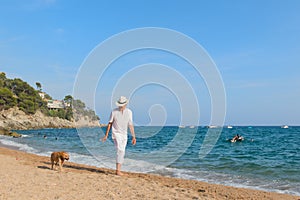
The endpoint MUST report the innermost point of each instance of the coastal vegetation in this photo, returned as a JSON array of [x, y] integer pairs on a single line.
[[18, 93]]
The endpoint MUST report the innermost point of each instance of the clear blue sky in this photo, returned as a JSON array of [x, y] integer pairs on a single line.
[[255, 44]]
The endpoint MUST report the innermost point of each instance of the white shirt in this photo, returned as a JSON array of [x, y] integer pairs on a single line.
[[120, 121]]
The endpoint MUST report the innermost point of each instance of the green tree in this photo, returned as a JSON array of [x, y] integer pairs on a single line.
[[28, 106], [2, 79], [18, 86], [27, 103], [79, 106], [80, 110], [38, 86], [7, 99], [68, 99], [2, 76], [69, 114]]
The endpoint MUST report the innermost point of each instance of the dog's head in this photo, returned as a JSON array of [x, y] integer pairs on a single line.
[[65, 155]]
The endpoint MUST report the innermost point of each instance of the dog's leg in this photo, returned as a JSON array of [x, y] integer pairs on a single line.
[[52, 163], [60, 166], [62, 162]]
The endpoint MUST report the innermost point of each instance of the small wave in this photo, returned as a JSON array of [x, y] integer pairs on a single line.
[[26, 136], [231, 180], [107, 162], [22, 147], [85, 159]]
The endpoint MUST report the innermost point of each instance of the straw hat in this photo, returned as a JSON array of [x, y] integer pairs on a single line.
[[122, 101]]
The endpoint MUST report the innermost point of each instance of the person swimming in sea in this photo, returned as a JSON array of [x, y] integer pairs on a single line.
[[237, 138]]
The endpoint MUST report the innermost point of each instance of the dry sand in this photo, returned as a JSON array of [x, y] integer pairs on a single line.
[[28, 176]]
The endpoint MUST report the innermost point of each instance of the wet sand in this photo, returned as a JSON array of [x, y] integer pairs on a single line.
[[28, 176]]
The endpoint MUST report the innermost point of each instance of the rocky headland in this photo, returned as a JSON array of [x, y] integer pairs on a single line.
[[23, 107], [15, 119]]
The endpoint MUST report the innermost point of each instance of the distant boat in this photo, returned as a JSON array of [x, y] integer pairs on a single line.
[[285, 126], [181, 126], [229, 127], [192, 126], [212, 126]]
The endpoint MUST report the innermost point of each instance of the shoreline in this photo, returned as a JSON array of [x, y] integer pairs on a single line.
[[87, 182]]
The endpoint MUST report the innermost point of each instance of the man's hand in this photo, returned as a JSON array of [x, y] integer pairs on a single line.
[[104, 139], [133, 141]]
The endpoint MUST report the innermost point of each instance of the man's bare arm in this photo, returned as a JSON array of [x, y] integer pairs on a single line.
[[107, 132], [131, 127]]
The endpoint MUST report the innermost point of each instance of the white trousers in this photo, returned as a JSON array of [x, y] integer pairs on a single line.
[[120, 144]]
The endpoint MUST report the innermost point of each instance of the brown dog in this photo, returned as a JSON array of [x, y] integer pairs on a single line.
[[59, 157]]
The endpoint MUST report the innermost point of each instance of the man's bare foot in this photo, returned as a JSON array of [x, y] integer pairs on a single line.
[[119, 173]]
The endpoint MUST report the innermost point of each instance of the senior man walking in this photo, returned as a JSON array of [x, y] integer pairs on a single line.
[[120, 120]]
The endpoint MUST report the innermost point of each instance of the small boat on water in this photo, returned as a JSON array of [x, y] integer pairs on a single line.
[[229, 126], [192, 126], [212, 126], [181, 126], [285, 126]]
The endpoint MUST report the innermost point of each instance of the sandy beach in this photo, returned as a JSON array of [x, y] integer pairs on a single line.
[[28, 176]]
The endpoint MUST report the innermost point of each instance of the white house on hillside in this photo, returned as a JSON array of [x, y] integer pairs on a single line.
[[55, 104]]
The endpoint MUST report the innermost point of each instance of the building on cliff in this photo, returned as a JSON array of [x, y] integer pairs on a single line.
[[54, 104], [57, 104]]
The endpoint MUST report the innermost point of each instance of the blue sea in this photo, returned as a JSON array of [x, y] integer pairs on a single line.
[[268, 158]]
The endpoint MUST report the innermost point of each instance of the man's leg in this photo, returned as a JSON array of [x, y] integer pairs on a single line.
[[120, 160], [118, 169], [120, 156]]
